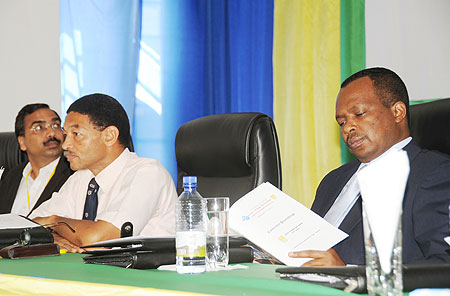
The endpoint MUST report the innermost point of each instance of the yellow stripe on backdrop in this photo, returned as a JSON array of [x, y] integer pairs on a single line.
[[306, 66]]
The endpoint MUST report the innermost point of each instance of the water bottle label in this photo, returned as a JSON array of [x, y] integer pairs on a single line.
[[191, 244]]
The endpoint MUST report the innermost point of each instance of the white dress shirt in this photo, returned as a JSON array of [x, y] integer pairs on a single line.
[[350, 192], [131, 189], [35, 187]]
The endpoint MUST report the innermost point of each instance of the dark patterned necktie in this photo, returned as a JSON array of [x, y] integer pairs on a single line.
[[91, 203]]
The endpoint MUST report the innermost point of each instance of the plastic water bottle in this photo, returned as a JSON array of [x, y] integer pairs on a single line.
[[191, 229]]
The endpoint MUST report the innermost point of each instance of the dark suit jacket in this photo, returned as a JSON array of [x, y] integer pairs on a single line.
[[425, 219], [10, 184]]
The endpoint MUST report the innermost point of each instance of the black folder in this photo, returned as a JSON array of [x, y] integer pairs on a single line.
[[34, 235], [152, 260], [353, 278], [150, 253], [27, 242], [154, 244]]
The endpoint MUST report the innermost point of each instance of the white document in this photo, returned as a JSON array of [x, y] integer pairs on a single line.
[[447, 239], [15, 221], [279, 224]]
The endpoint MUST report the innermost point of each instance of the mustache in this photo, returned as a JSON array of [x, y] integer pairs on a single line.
[[52, 139], [66, 152], [351, 136]]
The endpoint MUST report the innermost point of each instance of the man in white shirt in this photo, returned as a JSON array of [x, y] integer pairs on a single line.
[[26, 186], [112, 185]]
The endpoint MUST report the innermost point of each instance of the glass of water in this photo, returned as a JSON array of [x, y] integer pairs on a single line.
[[217, 232], [382, 279]]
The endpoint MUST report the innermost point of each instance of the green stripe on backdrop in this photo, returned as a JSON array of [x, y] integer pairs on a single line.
[[422, 101], [353, 48]]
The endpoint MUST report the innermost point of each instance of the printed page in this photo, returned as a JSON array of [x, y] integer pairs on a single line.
[[15, 221], [279, 224]]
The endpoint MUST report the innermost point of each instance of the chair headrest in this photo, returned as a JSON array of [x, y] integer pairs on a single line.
[[216, 144], [429, 124], [10, 155]]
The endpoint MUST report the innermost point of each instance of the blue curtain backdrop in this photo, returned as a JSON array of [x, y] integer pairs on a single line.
[[216, 58], [196, 58], [99, 49]]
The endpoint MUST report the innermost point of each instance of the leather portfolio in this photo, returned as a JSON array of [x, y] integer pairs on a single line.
[[18, 251], [152, 260], [353, 278], [150, 253], [25, 236], [151, 244]]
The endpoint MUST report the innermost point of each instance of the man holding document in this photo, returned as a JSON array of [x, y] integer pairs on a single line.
[[372, 112]]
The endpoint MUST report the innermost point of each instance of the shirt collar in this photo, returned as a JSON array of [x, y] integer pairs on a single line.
[[398, 146], [107, 177], [47, 170]]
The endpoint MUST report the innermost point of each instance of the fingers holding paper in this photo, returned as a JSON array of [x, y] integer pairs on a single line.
[[319, 258]]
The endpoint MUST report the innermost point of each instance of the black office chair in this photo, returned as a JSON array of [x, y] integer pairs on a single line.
[[10, 153], [230, 154], [430, 124]]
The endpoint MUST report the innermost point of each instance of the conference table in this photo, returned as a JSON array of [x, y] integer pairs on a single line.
[[67, 274]]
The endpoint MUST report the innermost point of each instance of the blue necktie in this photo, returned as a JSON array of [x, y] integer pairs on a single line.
[[91, 203]]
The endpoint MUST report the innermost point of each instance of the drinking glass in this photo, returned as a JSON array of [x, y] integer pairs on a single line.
[[383, 279], [217, 242]]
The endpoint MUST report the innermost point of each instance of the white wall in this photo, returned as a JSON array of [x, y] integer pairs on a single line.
[[29, 57], [411, 37]]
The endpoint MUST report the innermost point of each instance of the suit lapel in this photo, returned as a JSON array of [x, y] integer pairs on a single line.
[[354, 217], [9, 188], [412, 149], [62, 172]]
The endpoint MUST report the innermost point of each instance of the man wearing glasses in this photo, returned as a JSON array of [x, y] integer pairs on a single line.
[[26, 186]]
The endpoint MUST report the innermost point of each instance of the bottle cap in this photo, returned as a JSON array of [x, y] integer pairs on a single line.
[[189, 181]]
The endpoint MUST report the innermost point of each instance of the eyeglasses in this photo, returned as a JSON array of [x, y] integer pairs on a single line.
[[43, 127], [26, 236]]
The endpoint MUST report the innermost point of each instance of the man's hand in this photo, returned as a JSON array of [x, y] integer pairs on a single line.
[[320, 258], [65, 244], [86, 231], [58, 239], [44, 220]]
